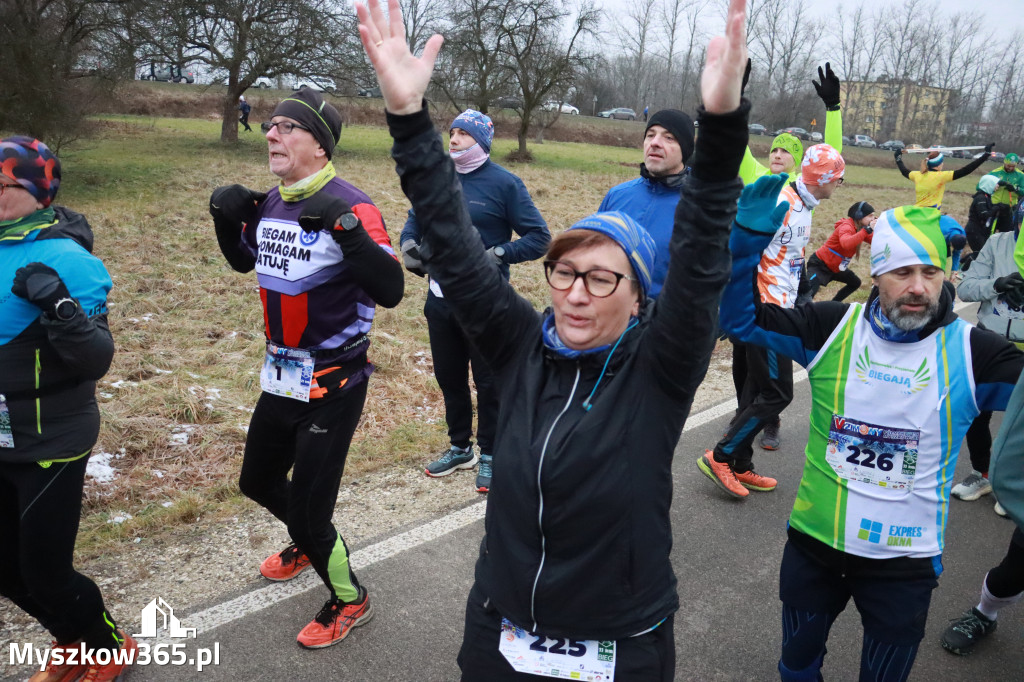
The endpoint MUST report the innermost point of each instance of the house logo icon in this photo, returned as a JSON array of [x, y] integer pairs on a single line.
[[158, 615]]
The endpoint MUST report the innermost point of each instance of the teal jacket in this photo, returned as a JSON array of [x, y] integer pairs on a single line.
[[1006, 470]]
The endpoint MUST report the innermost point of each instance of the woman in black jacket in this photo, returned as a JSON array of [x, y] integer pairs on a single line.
[[594, 392]]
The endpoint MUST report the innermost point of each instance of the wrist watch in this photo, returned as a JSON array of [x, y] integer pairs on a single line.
[[65, 309], [499, 252], [348, 221]]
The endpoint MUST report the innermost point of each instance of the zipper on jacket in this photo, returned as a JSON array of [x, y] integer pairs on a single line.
[[540, 494], [39, 410]]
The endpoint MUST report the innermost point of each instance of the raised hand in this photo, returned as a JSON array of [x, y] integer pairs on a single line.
[[828, 87], [721, 84], [402, 76], [759, 209]]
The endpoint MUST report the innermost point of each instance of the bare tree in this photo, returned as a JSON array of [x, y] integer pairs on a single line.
[[252, 38], [636, 36], [423, 18], [541, 62]]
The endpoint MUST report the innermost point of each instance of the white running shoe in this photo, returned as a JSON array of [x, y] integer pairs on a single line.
[[972, 487], [999, 509]]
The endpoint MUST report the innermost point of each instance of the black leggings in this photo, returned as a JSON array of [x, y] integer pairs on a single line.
[[453, 354], [979, 441], [767, 391], [819, 275], [39, 515], [313, 438], [1007, 579]]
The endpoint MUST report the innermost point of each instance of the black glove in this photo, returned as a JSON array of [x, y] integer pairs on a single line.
[[41, 285], [828, 88], [235, 203], [746, 77], [989, 146], [1015, 297], [898, 155], [1005, 284], [1003, 183], [325, 212], [411, 258]]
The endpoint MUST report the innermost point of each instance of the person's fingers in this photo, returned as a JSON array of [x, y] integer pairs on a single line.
[[431, 49], [379, 20], [397, 25], [779, 213], [366, 22], [369, 45]]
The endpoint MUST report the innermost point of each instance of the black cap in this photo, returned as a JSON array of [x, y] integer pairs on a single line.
[[307, 106], [860, 209], [679, 124]]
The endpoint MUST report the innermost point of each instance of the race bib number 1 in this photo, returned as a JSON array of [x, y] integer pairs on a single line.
[[871, 453], [287, 372], [563, 659]]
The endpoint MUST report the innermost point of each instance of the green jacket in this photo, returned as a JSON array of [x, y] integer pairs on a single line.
[[751, 169], [1002, 194]]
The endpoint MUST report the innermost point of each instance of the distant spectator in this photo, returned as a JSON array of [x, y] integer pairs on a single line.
[[244, 108], [1008, 194], [980, 218]]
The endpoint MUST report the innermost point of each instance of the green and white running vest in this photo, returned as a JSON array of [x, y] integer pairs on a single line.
[[887, 421]]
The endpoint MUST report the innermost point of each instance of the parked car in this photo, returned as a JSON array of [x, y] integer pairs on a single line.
[[316, 83], [564, 107], [892, 145], [169, 74], [509, 103], [619, 112], [847, 140], [816, 136], [262, 82], [961, 154], [757, 129], [864, 141], [798, 133], [369, 92], [913, 146]]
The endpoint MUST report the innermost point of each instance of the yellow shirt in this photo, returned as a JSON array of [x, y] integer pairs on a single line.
[[930, 186]]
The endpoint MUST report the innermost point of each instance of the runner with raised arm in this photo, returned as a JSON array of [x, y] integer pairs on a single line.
[[604, 372]]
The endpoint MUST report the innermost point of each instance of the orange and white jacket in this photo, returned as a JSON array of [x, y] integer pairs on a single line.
[[778, 273]]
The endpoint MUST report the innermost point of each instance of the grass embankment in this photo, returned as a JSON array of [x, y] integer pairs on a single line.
[[189, 330]]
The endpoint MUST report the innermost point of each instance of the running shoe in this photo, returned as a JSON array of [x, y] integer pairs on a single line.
[[117, 665], [63, 672], [335, 620], [769, 439], [999, 509], [965, 632], [453, 459], [755, 481], [483, 474], [972, 487], [284, 565], [721, 474]]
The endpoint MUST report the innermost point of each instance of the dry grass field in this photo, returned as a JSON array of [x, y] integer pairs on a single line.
[[189, 330]]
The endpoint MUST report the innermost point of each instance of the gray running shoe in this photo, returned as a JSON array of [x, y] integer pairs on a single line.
[[770, 437], [966, 631], [451, 460], [483, 474], [972, 487]]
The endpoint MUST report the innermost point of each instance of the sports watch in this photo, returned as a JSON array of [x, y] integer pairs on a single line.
[[65, 309]]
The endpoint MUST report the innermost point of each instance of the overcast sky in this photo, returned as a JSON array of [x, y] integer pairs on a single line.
[[1002, 16]]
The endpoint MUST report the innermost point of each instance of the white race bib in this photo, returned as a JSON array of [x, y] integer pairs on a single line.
[[287, 372], [6, 434], [877, 455], [796, 266], [563, 659], [434, 287], [1004, 309], [843, 264]]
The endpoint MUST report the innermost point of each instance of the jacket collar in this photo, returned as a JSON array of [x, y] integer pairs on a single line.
[[881, 326], [672, 182]]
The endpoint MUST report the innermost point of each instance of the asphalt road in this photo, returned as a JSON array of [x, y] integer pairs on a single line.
[[726, 556]]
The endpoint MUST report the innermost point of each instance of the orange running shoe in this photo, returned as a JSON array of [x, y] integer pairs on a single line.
[[284, 565], [335, 620], [755, 481], [119, 662], [721, 474], [63, 672]]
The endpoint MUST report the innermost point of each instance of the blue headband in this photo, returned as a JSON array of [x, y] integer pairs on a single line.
[[628, 234], [932, 163]]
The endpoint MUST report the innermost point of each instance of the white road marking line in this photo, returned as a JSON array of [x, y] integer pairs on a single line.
[[257, 600]]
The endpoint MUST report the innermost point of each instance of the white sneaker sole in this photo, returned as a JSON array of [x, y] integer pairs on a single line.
[[468, 465]]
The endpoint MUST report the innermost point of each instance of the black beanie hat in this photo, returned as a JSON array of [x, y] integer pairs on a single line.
[[860, 209], [679, 124], [307, 106]]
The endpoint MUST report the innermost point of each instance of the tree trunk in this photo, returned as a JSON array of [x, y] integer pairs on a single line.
[[229, 125]]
